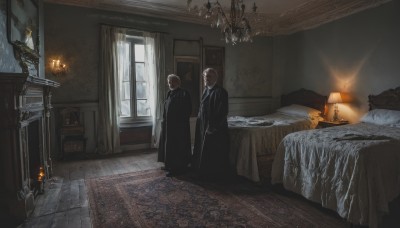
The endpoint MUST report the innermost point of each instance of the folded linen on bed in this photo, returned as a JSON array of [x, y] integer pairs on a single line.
[[363, 137], [241, 123]]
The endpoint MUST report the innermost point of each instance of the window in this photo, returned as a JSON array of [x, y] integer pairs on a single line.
[[134, 87]]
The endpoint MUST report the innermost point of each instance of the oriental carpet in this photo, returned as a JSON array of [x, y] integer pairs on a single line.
[[150, 199]]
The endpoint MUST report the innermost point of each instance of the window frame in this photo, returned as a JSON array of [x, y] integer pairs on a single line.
[[134, 119]]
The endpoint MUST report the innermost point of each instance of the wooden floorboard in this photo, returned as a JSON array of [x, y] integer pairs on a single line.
[[75, 203], [74, 217], [60, 220], [51, 200], [65, 201], [83, 198]]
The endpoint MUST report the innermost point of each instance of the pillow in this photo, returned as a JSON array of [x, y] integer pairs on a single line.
[[299, 110], [382, 117]]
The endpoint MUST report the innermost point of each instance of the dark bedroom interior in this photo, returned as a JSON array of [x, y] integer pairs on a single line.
[[312, 118]]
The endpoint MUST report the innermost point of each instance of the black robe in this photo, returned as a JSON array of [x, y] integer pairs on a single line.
[[175, 146], [211, 146]]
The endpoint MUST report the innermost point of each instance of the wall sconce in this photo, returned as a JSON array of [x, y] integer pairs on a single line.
[[335, 98], [58, 68]]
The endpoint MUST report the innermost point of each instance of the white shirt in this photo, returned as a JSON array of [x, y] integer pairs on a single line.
[[210, 87]]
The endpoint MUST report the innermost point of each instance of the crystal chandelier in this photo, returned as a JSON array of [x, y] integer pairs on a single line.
[[235, 26]]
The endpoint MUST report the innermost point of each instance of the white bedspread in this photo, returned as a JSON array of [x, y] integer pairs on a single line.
[[352, 169], [260, 135]]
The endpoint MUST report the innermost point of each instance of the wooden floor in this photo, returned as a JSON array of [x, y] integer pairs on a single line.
[[65, 202]]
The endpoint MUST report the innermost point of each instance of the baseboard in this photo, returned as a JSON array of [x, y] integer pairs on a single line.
[[129, 147]]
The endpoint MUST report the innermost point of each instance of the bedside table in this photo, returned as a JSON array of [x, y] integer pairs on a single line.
[[326, 123]]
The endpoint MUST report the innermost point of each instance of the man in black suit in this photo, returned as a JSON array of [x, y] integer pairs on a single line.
[[211, 146], [175, 145]]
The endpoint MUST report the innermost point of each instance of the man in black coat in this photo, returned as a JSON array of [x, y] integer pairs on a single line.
[[211, 146], [175, 146]]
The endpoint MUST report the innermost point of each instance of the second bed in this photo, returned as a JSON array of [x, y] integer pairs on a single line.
[[254, 140]]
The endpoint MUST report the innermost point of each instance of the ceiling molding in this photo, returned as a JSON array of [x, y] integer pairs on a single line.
[[309, 14], [318, 12], [137, 7]]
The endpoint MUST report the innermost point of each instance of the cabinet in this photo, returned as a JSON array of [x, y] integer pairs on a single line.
[[72, 132]]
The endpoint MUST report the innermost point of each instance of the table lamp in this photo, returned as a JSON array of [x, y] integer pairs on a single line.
[[335, 98]]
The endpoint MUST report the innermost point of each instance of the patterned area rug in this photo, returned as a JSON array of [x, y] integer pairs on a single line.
[[149, 199]]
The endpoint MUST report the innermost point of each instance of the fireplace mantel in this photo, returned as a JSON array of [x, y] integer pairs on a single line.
[[25, 140]]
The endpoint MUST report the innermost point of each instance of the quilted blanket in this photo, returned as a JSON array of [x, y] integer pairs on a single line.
[[352, 169]]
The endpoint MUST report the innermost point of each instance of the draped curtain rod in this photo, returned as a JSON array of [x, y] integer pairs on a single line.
[[133, 29]]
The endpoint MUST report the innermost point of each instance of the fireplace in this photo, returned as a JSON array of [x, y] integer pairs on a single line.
[[37, 176], [25, 138]]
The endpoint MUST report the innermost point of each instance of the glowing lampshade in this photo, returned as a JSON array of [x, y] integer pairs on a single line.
[[334, 98]]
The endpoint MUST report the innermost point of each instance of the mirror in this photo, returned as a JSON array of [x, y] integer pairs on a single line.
[[188, 69]]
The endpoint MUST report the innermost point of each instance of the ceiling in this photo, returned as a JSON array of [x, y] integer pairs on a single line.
[[275, 17]]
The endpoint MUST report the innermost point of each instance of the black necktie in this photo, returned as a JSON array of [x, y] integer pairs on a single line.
[[206, 92]]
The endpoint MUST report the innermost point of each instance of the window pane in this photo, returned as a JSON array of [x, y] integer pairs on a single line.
[[124, 59], [139, 53], [141, 90], [126, 95], [140, 72], [143, 108], [126, 66], [126, 108]]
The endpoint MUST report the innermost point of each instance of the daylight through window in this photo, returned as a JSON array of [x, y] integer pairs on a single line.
[[134, 87]]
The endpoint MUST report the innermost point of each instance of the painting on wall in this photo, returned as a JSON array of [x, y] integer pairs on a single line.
[[23, 22], [214, 57], [188, 69], [23, 33]]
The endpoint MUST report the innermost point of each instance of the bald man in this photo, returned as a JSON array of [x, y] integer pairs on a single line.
[[211, 147], [175, 145]]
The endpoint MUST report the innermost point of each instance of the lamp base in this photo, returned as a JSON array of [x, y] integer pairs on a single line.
[[335, 117]]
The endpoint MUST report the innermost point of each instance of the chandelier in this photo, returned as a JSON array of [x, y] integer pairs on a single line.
[[235, 26]]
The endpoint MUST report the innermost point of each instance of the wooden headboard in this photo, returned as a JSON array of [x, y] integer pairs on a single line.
[[389, 99], [307, 98]]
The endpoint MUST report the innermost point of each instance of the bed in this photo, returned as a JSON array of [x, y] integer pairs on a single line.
[[256, 138], [352, 169]]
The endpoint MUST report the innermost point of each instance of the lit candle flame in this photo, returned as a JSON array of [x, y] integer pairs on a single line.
[[41, 174]]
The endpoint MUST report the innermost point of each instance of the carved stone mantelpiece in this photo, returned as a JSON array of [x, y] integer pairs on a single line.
[[25, 140]]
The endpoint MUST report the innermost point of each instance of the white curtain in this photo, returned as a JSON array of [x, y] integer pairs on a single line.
[[109, 102], [155, 57]]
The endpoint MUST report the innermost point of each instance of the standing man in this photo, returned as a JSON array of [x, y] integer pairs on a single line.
[[211, 146], [175, 145]]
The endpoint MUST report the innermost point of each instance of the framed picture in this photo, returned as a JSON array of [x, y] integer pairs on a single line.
[[23, 22], [214, 57], [23, 33], [188, 69]]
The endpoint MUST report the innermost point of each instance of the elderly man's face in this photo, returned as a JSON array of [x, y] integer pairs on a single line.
[[173, 83], [209, 78]]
